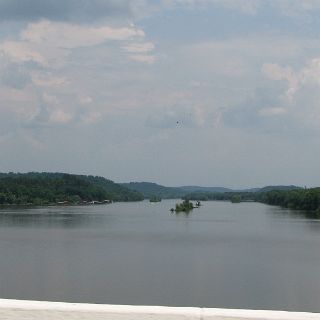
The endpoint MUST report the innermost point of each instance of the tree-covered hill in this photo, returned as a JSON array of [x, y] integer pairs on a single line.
[[303, 199], [115, 191], [150, 190], [196, 189], [51, 188], [278, 188]]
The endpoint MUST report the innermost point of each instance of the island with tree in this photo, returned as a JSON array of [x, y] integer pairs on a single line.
[[185, 206]]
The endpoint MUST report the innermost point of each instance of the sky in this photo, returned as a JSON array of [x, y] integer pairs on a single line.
[[178, 92]]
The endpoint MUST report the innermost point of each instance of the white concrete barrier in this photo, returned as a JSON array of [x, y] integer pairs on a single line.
[[38, 310]]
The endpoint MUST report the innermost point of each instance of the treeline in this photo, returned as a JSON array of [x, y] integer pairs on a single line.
[[301, 199], [226, 196], [304, 199], [52, 188]]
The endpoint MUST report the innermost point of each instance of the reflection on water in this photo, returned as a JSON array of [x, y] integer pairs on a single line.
[[247, 255], [311, 215], [51, 218], [307, 218]]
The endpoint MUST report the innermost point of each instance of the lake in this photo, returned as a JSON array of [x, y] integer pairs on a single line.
[[246, 255]]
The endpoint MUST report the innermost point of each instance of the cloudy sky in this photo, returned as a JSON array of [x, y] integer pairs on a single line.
[[206, 92]]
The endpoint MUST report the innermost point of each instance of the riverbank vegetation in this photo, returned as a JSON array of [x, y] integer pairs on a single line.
[[59, 188], [305, 199], [226, 196], [300, 199]]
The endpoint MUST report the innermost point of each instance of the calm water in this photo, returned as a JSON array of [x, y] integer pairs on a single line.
[[246, 255]]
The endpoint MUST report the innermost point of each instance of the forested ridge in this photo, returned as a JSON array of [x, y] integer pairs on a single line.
[[51, 188], [150, 190], [301, 199]]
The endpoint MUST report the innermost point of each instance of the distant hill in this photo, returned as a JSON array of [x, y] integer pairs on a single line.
[[149, 190], [204, 189], [116, 191], [278, 188], [51, 188]]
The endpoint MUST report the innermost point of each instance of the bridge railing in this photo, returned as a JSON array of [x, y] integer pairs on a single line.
[[38, 310]]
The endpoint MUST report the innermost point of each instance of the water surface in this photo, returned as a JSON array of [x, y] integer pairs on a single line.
[[246, 255]]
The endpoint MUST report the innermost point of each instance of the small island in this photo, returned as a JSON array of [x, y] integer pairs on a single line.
[[185, 206], [155, 199], [235, 198]]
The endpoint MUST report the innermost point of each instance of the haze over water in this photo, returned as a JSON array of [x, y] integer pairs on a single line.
[[246, 255]]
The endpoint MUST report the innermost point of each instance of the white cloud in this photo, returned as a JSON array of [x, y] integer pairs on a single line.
[[148, 59], [311, 73], [83, 99], [15, 95], [60, 82], [277, 72], [141, 52], [73, 36], [297, 8], [19, 105], [308, 75], [30, 140], [266, 112], [21, 52], [237, 57], [302, 93], [245, 6], [91, 117], [60, 116], [139, 47], [292, 8], [50, 99], [48, 81], [47, 43]]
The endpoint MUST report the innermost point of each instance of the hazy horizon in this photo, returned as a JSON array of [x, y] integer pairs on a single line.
[[176, 92], [158, 183]]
